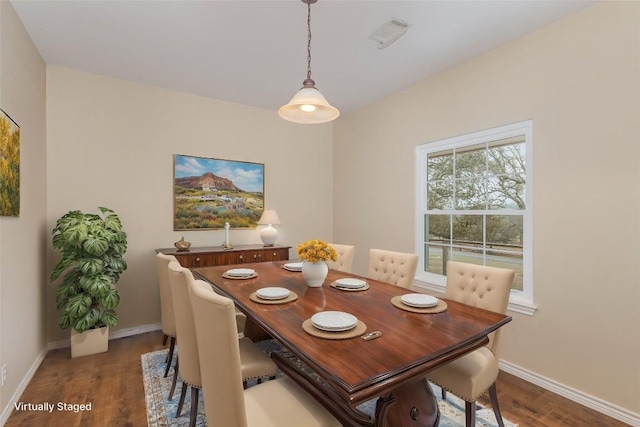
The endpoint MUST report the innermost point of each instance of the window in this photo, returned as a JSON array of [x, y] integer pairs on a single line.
[[473, 205]]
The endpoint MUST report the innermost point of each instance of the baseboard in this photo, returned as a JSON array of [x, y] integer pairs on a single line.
[[120, 333], [577, 396], [6, 412]]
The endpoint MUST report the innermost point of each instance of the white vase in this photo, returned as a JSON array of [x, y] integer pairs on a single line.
[[314, 273]]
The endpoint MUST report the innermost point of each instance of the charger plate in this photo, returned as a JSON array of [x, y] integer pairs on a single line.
[[356, 331], [438, 308], [255, 298]]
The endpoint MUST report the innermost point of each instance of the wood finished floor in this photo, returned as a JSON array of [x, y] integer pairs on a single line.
[[112, 382]]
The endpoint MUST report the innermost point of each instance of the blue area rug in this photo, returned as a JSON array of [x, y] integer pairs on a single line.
[[161, 411]]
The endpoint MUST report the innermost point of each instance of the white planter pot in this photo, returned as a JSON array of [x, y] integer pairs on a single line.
[[89, 342], [314, 273]]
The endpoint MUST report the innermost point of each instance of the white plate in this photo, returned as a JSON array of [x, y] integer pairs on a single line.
[[350, 283], [293, 266], [419, 300], [334, 321], [241, 272], [273, 293]]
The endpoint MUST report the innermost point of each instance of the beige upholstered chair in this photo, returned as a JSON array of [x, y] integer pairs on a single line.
[[345, 257], [471, 375], [277, 403], [396, 268], [189, 364], [166, 305], [254, 363]]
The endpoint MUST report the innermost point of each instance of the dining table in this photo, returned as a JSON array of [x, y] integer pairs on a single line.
[[386, 357]]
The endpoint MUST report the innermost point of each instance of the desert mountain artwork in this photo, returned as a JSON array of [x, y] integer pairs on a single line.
[[211, 192]]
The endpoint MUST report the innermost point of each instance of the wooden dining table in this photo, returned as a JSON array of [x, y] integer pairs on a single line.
[[348, 372]]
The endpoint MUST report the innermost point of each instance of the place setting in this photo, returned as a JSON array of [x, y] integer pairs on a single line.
[[350, 284], [336, 325], [273, 295], [240, 273], [419, 303], [293, 266]]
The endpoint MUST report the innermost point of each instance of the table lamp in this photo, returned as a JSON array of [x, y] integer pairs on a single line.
[[269, 234]]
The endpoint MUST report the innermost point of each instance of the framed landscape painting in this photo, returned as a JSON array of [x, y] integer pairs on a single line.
[[209, 192], [9, 166]]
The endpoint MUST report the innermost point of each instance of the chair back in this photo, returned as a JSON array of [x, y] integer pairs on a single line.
[[345, 257], [396, 268], [219, 351], [166, 304], [481, 286], [180, 278]]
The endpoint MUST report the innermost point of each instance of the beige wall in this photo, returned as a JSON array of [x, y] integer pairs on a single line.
[[111, 143], [22, 256], [579, 81]]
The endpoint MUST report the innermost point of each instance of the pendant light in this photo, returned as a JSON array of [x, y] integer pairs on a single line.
[[308, 105]]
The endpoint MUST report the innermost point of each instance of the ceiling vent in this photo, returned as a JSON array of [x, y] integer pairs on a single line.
[[391, 31]]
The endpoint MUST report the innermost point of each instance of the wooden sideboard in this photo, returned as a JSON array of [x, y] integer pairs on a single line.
[[217, 255]]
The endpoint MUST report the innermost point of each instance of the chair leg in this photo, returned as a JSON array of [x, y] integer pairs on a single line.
[[164, 339], [175, 380], [194, 406], [183, 394], [493, 395], [470, 413], [172, 346], [444, 394], [244, 384]]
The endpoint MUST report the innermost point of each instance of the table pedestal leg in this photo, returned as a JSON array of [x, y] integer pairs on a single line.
[[411, 404], [254, 332]]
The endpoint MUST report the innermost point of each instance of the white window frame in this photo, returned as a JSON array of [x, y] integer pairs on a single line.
[[519, 301]]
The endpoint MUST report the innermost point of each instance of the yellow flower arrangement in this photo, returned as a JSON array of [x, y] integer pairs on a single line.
[[316, 251]]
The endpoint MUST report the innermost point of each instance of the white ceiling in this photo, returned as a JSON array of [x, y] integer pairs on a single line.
[[254, 52]]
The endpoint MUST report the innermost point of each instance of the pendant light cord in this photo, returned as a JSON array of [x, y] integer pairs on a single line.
[[308, 40]]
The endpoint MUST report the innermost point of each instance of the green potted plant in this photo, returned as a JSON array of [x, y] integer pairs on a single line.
[[92, 250]]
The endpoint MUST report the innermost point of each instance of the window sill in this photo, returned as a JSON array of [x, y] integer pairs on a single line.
[[516, 303]]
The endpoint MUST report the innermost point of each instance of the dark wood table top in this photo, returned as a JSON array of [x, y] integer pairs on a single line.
[[411, 344]]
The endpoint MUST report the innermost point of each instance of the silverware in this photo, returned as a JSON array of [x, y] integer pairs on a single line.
[[371, 335]]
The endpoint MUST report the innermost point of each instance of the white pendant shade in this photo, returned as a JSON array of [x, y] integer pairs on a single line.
[[308, 105]]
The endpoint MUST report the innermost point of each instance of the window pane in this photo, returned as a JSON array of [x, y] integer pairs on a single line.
[[471, 193], [440, 165], [439, 228], [467, 254], [505, 232], [467, 230], [510, 261], [471, 162], [509, 158], [440, 195], [436, 257], [506, 192]]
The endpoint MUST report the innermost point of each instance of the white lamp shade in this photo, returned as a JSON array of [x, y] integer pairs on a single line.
[[308, 98], [269, 216]]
